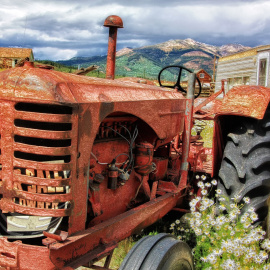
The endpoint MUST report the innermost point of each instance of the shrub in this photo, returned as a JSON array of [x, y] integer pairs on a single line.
[[225, 237]]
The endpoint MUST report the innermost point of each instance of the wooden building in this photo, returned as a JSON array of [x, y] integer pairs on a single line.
[[9, 57], [205, 80], [203, 76], [250, 67]]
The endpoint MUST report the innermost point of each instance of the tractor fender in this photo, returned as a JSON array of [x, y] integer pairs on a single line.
[[245, 100]]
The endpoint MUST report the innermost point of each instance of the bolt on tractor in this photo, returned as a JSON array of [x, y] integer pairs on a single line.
[[87, 162]]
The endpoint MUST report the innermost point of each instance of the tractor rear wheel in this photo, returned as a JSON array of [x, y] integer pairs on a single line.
[[159, 252], [245, 169]]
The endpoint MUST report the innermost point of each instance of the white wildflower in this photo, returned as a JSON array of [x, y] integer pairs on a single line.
[[208, 185], [263, 254], [218, 252], [258, 259], [203, 177], [246, 200], [197, 215], [236, 198], [266, 244], [233, 205], [219, 191], [198, 231], [204, 192], [221, 220], [254, 216], [221, 199], [200, 184], [193, 203], [232, 216], [214, 182], [251, 209], [211, 258], [202, 208], [229, 264]]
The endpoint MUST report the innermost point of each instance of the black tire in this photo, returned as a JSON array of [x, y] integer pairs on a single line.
[[245, 169], [159, 252]]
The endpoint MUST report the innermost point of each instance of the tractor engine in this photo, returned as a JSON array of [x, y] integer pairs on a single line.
[[124, 167]]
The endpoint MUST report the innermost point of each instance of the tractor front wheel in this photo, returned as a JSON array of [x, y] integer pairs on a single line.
[[159, 252]]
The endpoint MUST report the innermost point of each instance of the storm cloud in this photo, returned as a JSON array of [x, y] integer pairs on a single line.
[[64, 29]]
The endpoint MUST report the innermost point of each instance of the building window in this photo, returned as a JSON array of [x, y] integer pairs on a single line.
[[263, 68], [231, 82], [262, 72], [237, 81], [246, 80], [201, 75]]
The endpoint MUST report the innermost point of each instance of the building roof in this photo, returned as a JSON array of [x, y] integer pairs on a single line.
[[15, 52], [246, 53], [198, 70]]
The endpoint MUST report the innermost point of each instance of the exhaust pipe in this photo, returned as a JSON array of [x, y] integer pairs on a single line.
[[113, 22]]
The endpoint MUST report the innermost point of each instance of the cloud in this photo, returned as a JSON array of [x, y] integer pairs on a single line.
[[66, 28]]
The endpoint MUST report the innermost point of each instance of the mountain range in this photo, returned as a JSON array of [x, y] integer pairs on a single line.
[[147, 61]]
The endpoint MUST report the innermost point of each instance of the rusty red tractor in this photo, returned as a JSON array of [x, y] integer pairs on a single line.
[[87, 162]]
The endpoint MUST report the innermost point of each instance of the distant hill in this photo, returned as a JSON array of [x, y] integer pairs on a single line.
[[147, 61]]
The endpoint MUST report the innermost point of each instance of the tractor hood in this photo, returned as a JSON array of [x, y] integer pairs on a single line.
[[43, 86]]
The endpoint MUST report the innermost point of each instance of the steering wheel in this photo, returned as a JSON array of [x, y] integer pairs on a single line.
[[177, 85]]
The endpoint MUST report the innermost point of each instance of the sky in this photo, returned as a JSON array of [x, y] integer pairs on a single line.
[[62, 29]]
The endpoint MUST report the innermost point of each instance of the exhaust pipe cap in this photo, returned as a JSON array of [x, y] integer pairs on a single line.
[[113, 21]]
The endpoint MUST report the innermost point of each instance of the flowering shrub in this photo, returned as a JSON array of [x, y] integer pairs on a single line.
[[225, 237]]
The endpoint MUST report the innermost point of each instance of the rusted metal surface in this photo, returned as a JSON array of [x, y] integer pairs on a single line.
[[136, 80], [210, 99], [246, 100], [25, 179], [92, 242], [9, 253], [60, 236], [187, 133], [144, 158], [16, 255], [109, 231], [113, 22]]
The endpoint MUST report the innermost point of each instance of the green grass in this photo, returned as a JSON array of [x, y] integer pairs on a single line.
[[206, 127], [118, 255]]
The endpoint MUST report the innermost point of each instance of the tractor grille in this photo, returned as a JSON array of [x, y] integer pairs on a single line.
[[44, 146]]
